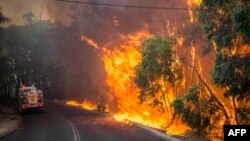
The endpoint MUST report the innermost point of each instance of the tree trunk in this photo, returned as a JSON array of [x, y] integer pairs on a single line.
[[17, 86], [5, 87], [41, 13], [220, 105], [192, 75], [235, 110], [164, 101], [164, 95]]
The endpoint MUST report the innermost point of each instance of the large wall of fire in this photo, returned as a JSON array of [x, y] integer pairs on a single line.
[[112, 36]]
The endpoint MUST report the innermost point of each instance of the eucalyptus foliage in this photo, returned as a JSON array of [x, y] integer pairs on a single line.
[[224, 20], [197, 110], [227, 25], [158, 68]]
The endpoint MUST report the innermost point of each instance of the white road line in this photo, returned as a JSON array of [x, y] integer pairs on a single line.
[[77, 133], [73, 127]]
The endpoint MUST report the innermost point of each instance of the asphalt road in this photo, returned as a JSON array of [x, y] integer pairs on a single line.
[[64, 123]]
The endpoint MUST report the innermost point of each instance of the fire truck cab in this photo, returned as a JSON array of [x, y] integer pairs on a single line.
[[30, 98]]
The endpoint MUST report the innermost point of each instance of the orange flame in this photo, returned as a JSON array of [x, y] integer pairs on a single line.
[[192, 4], [90, 41], [120, 62], [84, 104]]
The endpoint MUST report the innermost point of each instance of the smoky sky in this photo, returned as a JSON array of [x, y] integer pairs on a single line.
[[104, 23], [109, 20], [14, 9], [82, 70]]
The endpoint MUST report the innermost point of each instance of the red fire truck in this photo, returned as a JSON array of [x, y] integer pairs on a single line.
[[30, 98]]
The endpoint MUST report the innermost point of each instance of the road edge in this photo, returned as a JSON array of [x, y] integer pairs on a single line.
[[14, 127], [151, 130], [157, 133]]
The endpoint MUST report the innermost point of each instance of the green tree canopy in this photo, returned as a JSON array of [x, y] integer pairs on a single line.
[[158, 69], [225, 20], [198, 110], [227, 24], [29, 17], [3, 19]]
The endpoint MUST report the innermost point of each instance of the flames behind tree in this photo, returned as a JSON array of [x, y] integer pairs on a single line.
[[121, 54], [120, 61]]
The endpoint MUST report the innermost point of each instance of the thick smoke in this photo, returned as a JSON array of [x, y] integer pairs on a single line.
[[104, 24], [92, 19]]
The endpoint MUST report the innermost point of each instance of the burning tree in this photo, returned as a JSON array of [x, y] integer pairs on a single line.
[[200, 111], [120, 65], [159, 72], [157, 76], [226, 24]]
